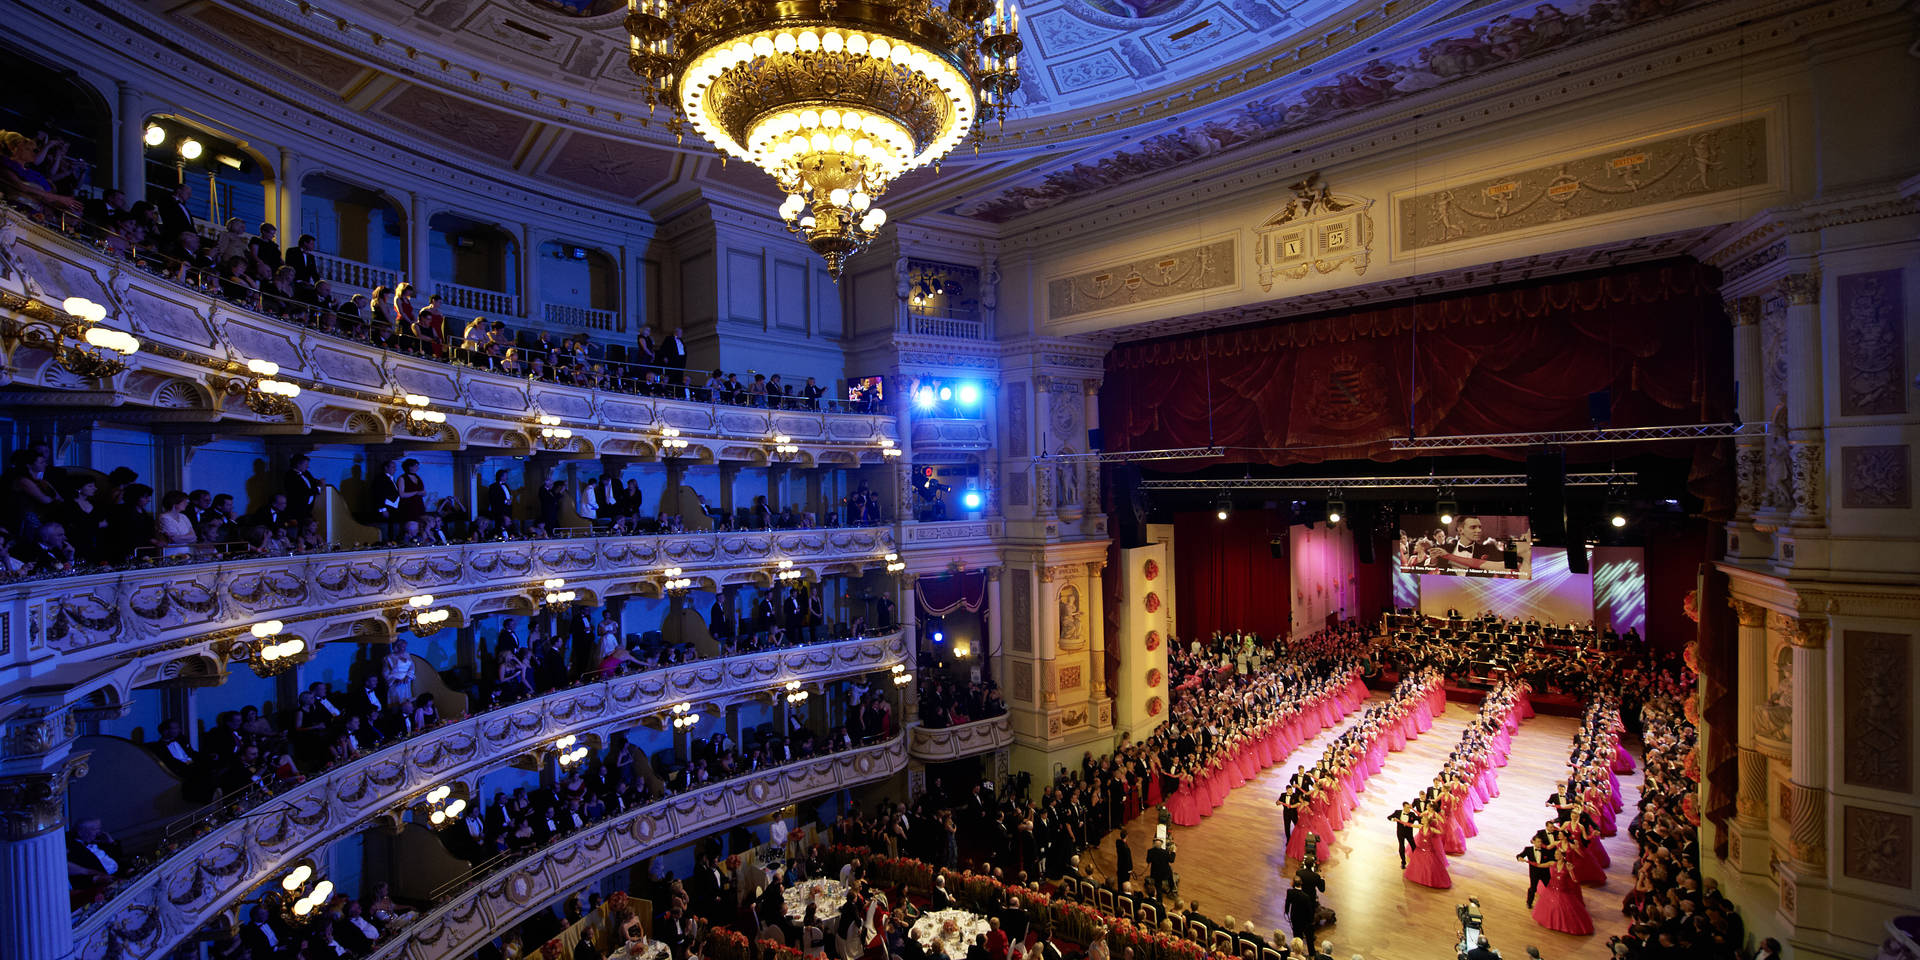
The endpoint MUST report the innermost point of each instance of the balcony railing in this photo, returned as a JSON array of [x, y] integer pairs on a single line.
[[187, 331], [953, 328], [457, 297], [965, 740], [458, 926], [577, 318], [352, 276], [145, 616], [154, 913]]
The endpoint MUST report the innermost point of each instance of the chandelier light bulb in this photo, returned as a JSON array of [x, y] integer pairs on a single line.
[[156, 135], [190, 149], [296, 878], [456, 808]]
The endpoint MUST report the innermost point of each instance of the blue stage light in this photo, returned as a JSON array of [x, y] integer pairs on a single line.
[[923, 398], [972, 499], [969, 394]]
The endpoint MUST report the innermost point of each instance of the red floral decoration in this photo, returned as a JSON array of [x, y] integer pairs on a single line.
[[1153, 603], [1150, 569], [1690, 605], [1153, 676], [1154, 706], [1153, 640]]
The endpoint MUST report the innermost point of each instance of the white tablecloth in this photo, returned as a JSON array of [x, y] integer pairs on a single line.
[[826, 896], [932, 926], [643, 950]]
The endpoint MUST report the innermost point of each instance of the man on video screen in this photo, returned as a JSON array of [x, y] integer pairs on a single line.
[[1469, 547]]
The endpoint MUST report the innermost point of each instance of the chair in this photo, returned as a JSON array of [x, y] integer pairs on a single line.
[[1269, 953], [1145, 915], [1197, 932], [1222, 942], [1103, 899]]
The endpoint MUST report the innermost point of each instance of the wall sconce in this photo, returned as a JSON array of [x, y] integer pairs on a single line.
[[297, 907], [422, 422], [79, 344], [670, 443], [900, 675], [419, 617], [442, 812], [962, 650], [786, 572], [674, 582], [259, 650], [569, 754], [263, 393], [887, 449], [795, 695], [894, 563], [553, 436], [784, 448], [556, 595], [683, 716]]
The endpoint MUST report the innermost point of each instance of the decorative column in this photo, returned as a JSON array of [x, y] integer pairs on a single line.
[[1097, 628], [130, 145], [530, 275], [419, 246], [1046, 647], [1803, 879], [1750, 449], [1805, 403], [1748, 845], [1090, 470], [991, 623], [287, 204], [34, 916]]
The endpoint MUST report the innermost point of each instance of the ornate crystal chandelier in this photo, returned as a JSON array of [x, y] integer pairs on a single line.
[[834, 98]]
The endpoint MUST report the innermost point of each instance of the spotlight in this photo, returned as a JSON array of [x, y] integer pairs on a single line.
[[969, 395], [1446, 509], [946, 393], [923, 398], [970, 499], [1335, 510], [1618, 519], [1222, 507], [190, 149], [156, 135]]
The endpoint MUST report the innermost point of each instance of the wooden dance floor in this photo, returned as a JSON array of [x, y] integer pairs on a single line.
[[1233, 862]]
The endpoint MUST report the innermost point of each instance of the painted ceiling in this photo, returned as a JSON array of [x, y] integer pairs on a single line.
[[1113, 91]]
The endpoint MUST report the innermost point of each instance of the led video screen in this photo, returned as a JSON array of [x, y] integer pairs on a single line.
[[1465, 545]]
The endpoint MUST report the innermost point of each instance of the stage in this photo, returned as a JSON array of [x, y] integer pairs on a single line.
[[1232, 862]]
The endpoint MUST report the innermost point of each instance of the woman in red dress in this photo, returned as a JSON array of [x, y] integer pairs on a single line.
[[1560, 905], [1426, 863]]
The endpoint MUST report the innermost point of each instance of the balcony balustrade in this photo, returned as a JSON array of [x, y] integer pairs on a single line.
[[951, 435], [580, 318], [196, 347], [456, 296], [155, 619], [471, 917], [951, 533], [352, 276], [155, 912], [930, 745], [953, 328]]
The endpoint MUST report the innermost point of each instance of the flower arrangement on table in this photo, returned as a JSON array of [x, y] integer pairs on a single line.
[[949, 928]]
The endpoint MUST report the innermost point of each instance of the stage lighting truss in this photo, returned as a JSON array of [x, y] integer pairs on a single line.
[[1479, 481], [1134, 456], [1483, 441]]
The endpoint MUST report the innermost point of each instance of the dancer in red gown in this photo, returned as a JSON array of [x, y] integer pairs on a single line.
[[1560, 905], [1427, 863]]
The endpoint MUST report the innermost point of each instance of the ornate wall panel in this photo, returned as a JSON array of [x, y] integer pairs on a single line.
[[1022, 611], [1879, 846], [1873, 339], [1209, 266], [1680, 167], [1878, 705], [1876, 477]]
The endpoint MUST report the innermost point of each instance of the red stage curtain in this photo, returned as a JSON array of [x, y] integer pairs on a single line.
[[1226, 577], [1517, 358], [939, 596]]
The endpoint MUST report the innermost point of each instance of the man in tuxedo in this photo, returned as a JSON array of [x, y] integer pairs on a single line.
[[606, 497], [1303, 902], [1014, 921], [386, 499], [1123, 859], [175, 218], [498, 506], [1539, 861], [302, 488], [1403, 823], [367, 702], [110, 206], [1482, 951], [717, 624], [673, 356], [173, 749], [1469, 547], [93, 858], [306, 267], [1160, 866], [262, 940]]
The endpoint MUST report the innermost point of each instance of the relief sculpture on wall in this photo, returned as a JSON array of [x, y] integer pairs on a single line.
[[1073, 627], [1316, 230], [1773, 717]]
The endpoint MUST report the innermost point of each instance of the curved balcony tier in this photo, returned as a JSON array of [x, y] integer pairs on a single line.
[[456, 927], [193, 368], [155, 912], [157, 621], [929, 745], [944, 435]]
